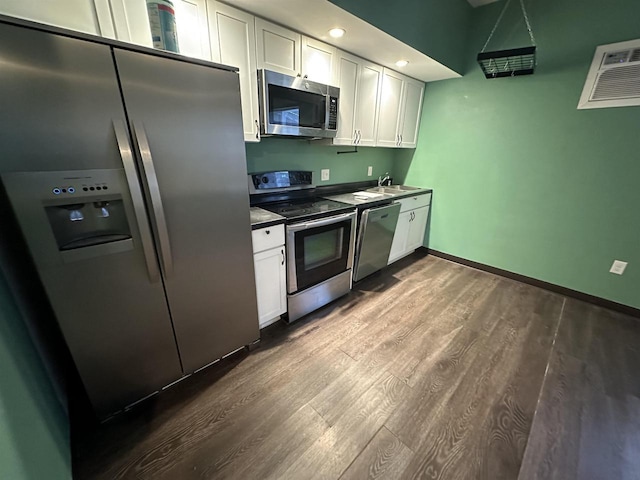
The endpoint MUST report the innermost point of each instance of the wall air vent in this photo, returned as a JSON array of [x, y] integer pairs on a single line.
[[614, 77]]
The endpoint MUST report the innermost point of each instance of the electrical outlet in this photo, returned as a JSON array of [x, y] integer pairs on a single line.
[[369, 171], [618, 267], [324, 174]]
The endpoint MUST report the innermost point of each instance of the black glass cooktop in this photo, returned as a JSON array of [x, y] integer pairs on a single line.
[[317, 207]]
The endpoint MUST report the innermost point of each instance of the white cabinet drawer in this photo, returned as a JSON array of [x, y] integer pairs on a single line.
[[268, 237], [417, 201]]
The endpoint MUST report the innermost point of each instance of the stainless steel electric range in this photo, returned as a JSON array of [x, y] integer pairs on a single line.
[[320, 238]]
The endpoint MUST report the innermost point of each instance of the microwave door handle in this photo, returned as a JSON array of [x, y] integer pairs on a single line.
[[327, 102], [153, 189], [124, 146]]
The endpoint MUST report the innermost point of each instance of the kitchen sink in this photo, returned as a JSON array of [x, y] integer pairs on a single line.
[[403, 188], [393, 189]]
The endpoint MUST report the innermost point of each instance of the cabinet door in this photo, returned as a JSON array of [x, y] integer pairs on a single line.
[[417, 226], [271, 273], [399, 245], [278, 48], [390, 103], [122, 20], [76, 15], [317, 61], [412, 96], [347, 76], [129, 21], [233, 43], [368, 101], [193, 31]]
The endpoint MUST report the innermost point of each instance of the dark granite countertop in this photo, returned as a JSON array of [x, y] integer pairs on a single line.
[[261, 218]]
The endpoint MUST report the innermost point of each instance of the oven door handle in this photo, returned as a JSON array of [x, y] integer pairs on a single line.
[[319, 223]]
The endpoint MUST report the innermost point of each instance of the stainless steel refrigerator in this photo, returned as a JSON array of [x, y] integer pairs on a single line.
[[125, 169]]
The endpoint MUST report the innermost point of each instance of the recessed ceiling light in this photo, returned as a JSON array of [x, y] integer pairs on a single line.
[[402, 63], [337, 32]]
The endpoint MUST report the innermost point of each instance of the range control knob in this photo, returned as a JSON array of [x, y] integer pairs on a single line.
[[265, 180]]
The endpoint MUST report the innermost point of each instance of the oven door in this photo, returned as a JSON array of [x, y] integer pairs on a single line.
[[319, 249], [296, 106]]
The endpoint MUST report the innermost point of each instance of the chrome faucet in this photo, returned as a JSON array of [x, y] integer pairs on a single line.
[[382, 179]]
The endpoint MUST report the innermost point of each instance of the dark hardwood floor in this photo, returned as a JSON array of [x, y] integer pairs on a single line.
[[428, 370]]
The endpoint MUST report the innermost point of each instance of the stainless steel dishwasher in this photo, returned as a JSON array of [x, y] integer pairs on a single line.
[[375, 236]]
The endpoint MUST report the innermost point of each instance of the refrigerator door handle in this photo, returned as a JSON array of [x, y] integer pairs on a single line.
[[153, 190], [136, 197]]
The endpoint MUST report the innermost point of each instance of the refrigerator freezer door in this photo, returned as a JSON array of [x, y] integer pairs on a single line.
[[86, 247], [60, 101], [377, 227], [188, 127], [59, 96]]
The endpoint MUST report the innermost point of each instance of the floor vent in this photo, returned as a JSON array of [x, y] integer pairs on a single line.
[[614, 77]]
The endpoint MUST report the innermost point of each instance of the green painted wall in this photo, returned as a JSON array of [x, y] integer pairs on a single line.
[[522, 179], [294, 154], [437, 28], [34, 432]]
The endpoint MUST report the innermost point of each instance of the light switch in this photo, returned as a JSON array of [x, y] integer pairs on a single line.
[[324, 174], [369, 171]]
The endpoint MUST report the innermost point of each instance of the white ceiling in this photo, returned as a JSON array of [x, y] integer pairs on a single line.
[[315, 18], [479, 3]]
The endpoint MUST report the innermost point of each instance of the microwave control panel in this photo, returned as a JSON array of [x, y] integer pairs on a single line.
[[333, 113]]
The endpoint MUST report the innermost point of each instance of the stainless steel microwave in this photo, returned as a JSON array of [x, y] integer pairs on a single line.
[[296, 106]]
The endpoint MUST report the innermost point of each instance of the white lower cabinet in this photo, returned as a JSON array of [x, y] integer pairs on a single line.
[[417, 227], [399, 245], [271, 273], [412, 223]]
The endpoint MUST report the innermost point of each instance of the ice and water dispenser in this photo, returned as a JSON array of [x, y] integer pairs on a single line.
[[88, 223], [79, 214]]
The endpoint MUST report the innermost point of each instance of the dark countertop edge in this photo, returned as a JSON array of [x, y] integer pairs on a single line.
[[20, 22], [266, 223], [381, 201], [339, 188]]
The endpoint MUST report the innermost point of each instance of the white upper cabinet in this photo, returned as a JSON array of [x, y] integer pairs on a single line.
[[347, 79], [278, 48], [412, 97], [128, 21], [76, 15], [232, 36], [377, 106], [122, 20], [191, 24], [359, 82], [367, 106], [317, 61], [390, 109], [400, 110], [285, 51]]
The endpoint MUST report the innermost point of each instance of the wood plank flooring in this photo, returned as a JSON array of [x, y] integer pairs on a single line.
[[426, 370]]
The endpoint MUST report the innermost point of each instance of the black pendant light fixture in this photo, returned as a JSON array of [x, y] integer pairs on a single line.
[[512, 62]]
